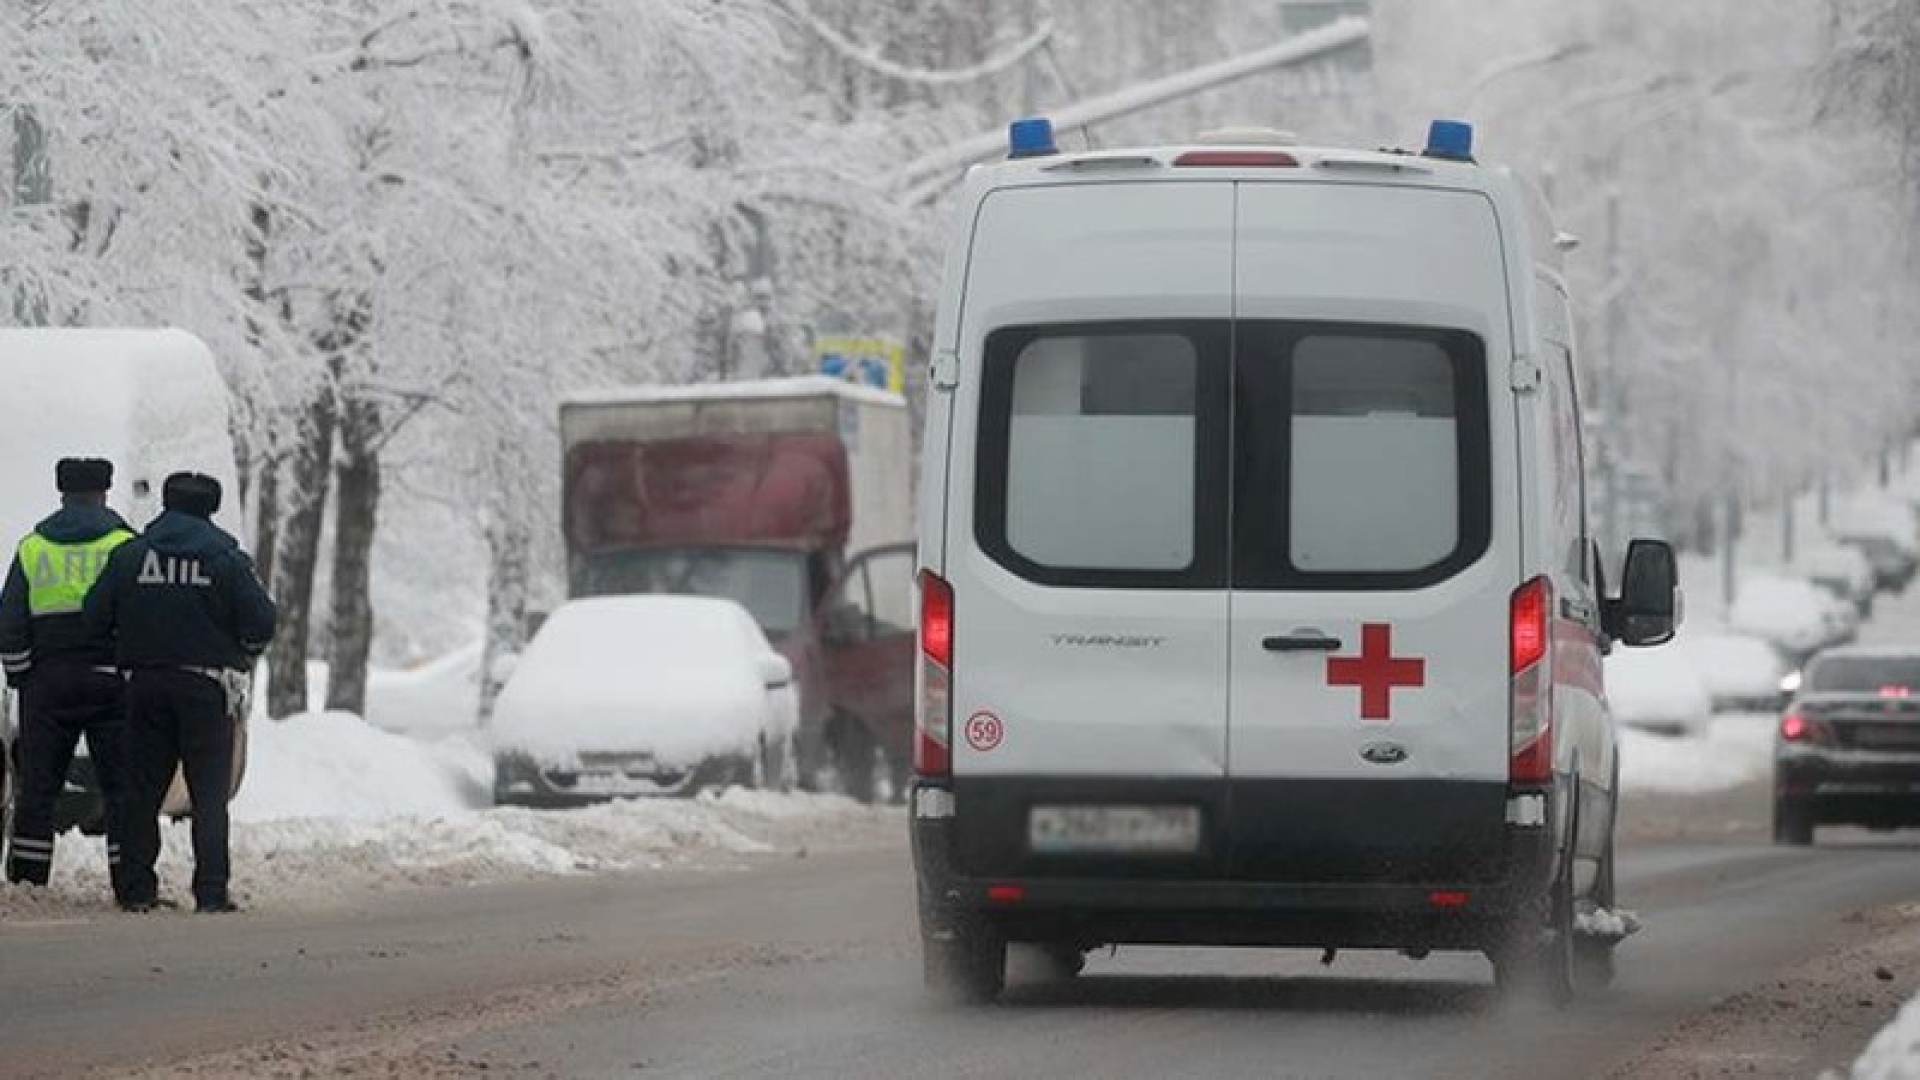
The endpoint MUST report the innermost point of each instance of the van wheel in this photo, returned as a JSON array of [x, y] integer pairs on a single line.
[[1792, 823], [1593, 967], [970, 966], [1537, 959]]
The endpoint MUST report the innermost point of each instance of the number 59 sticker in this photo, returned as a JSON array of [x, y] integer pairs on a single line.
[[984, 731]]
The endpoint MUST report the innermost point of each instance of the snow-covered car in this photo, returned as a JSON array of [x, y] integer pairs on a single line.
[[1843, 571], [1742, 672], [1893, 563], [1658, 690], [1886, 529], [622, 696], [1794, 614]]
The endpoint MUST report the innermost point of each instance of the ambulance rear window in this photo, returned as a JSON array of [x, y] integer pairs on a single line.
[[1362, 456], [1102, 454], [1302, 455]]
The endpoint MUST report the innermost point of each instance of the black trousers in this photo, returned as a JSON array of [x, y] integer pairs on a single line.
[[178, 719], [61, 702]]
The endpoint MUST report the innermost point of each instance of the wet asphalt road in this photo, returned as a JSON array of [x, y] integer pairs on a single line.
[[809, 966]]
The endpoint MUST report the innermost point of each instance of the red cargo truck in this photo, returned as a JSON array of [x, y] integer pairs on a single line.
[[790, 496]]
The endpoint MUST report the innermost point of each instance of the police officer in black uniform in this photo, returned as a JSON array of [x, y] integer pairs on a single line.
[[64, 671], [188, 615]]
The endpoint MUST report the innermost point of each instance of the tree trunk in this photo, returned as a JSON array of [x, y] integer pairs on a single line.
[[298, 554], [357, 493], [507, 551], [266, 520], [258, 464]]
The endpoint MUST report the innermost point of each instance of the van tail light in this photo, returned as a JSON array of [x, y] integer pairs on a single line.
[[1530, 701], [933, 719]]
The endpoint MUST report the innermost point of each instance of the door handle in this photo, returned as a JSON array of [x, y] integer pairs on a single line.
[[1301, 641]]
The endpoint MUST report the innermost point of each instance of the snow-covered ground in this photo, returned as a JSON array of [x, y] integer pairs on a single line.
[[1894, 1054], [1734, 749], [333, 809]]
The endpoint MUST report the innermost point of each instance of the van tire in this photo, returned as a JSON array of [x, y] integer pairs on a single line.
[[1593, 967], [1537, 958], [1538, 961], [969, 967]]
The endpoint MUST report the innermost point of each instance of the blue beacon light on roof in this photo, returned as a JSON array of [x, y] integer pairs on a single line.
[[1450, 140], [1030, 137]]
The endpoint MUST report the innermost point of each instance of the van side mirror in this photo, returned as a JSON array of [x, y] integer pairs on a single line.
[[1647, 611]]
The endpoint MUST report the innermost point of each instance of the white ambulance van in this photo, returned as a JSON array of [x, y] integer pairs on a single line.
[[1259, 602]]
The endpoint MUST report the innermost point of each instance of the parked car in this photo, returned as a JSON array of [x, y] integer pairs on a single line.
[[1792, 613], [1848, 746], [1893, 563], [1658, 690], [643, 695], [1741, 672], [1844, 572]]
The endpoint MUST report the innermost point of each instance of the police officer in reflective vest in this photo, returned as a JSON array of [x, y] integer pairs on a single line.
[[64, 671], [188, 618]]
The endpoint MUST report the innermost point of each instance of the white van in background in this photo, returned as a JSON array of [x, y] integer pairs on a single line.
[[1259, 603], [150, 401]]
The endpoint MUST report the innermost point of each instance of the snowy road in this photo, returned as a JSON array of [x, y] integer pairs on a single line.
[[786, 959], [808, 966]]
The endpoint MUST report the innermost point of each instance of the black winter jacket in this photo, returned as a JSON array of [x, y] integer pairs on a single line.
[[183, 595], [26, 640]]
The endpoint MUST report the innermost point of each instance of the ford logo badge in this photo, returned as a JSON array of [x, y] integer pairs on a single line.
[[1384, 753]]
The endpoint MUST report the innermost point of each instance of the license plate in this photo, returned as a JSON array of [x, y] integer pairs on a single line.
[[1130, 830]]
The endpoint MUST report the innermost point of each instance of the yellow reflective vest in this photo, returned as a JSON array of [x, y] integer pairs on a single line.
[[59, 575]]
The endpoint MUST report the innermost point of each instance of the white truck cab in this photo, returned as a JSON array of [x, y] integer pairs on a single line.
[[1259, 604]]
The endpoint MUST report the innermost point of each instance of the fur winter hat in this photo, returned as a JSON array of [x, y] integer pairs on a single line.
[[83, 476], [191, 493]]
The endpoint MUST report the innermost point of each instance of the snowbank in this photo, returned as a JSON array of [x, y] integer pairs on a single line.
[[1894, 1054], [335, 765], [439, 697], [334, 809], [1735, 749]]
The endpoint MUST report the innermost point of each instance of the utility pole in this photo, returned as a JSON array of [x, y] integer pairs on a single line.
[[1612, 387], [1786, 529], [923, 179], [32, 186]]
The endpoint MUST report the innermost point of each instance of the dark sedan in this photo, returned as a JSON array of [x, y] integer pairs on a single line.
[[1848, 748]]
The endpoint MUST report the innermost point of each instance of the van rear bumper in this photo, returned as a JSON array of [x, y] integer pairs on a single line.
[[1498, 884]]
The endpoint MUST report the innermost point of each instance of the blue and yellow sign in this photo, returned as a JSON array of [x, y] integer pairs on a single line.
[[869, 361]]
